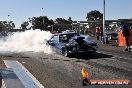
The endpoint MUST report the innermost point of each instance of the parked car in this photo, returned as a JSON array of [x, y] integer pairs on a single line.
[[112, 35], [70, 43]]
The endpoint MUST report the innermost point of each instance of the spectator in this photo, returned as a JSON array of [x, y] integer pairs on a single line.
[[125, 32], [97, 32], [101, 32]]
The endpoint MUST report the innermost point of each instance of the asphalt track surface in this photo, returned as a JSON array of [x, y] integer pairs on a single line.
[[57, 71]]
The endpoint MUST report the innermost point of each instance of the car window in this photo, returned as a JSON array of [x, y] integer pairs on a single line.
[[64, 38], [73, 34], [55, 38]]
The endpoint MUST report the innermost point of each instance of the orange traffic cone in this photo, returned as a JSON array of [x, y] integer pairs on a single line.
[[121, 39]]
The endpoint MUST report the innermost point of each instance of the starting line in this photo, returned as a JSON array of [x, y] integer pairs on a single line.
[[25, 77]]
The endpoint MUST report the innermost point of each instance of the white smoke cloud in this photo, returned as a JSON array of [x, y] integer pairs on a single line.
[[30, 40]]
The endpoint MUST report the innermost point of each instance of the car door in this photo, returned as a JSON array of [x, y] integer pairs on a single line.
[[57, 44], [51, 42], [54, 43]]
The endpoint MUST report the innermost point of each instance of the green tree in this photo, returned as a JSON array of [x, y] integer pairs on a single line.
[[1, 25], [41, 22], [94, 15], [13, 25], [63, 24], [70, 20], [24, 25], [6, 26]]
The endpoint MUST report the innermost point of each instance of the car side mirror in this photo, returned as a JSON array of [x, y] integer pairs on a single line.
[[51, 43]]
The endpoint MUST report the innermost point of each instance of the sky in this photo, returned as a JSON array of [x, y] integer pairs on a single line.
[[21, 10]]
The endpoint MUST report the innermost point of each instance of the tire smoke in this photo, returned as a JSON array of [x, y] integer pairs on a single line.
[[30, 40]]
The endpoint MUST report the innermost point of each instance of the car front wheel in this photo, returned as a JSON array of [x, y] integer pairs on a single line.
[[65, 52]]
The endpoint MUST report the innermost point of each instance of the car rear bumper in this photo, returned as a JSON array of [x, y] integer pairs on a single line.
[[83, 51]]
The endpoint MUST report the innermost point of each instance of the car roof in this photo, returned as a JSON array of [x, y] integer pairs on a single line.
[[68, 33], [65, 33]]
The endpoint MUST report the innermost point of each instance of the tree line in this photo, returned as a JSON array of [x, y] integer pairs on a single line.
[[5, 25], [44, 23]]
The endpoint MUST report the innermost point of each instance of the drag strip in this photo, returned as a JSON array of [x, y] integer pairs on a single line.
[[27, 79], [57, 71]]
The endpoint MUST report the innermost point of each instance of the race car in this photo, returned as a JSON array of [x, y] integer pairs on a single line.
[[71, 43]]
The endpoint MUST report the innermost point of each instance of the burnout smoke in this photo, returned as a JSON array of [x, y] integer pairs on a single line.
[[30, 40]]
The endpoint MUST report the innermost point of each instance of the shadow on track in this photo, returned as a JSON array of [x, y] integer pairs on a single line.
[[91, 56]]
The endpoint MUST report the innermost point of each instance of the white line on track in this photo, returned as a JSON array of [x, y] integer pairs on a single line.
[[28, 80]]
